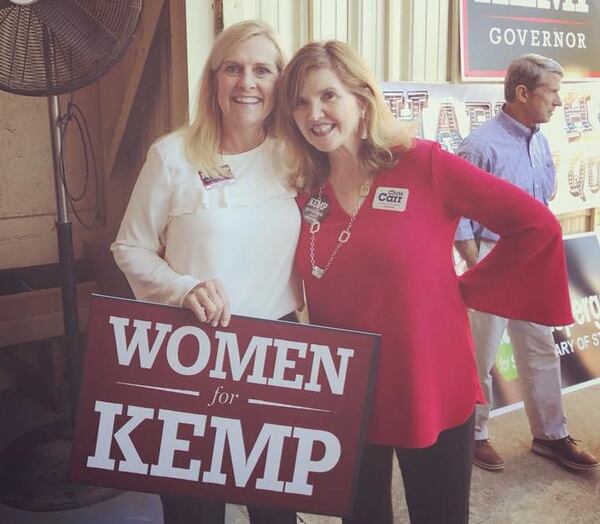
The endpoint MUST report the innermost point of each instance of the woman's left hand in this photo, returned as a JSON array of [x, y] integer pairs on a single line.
[[209, 302]]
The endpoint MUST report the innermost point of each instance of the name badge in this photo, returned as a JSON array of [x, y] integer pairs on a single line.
[[223, 178], [316, 209], [390, 198]]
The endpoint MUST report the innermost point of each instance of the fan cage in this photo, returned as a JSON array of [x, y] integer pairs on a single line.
[[57, 46]]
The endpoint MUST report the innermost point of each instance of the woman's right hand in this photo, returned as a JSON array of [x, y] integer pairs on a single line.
[[209, 302]]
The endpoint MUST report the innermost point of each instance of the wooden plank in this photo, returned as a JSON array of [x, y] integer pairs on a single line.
[[394, 32], [329, 20], [575, 222], [200, 25], [419, 35], [594, 219], [438, 21], [140, 47], [178, 74], [37, 315]]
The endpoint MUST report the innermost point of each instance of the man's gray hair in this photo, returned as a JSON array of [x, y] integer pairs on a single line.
[[527, 70]]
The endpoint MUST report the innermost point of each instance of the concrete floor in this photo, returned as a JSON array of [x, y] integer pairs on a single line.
[[531, 490]]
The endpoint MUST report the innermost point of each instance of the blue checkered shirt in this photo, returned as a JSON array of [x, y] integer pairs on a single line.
[[508, 149]]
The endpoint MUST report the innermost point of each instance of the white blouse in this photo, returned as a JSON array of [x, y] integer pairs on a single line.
[[176, 233]]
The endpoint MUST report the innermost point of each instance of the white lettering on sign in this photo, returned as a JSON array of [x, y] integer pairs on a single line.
[[531, 37], [323, 360], [585, 310], [228, 343], [203, 344], [139, 340], [577, 6], [131, 462], [287, 353], [304, 465], [271, 437], [271, 440], [170, 444]]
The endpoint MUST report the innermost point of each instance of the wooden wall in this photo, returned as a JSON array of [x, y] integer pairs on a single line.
[[142, 97], [27, 194], [401, 39]]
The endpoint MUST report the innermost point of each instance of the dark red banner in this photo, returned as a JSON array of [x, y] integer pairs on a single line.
[[263, 412]]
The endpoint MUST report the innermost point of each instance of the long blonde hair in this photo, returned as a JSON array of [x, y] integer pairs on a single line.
[[203, 134], [309, 167]]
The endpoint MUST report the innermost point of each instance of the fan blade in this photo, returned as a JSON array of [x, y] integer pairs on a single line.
[[75, 27], [55, 46]]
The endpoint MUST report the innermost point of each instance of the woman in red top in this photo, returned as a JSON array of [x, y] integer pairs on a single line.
[[380, 212]]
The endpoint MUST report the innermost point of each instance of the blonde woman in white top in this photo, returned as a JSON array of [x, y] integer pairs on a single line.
[[211, 224]]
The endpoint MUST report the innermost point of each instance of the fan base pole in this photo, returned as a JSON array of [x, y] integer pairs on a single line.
[[70, 316], [66, 259]]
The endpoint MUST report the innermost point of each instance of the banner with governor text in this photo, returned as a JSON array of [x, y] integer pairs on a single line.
[[260, 412], [447, 113], [494, 32]]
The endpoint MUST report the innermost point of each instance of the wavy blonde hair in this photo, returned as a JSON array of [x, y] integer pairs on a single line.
[[308, 166], [203, 135]]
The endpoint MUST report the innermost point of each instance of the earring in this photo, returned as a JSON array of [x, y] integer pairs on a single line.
[[362, 129]]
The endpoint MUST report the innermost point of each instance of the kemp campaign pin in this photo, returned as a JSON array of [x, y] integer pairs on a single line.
[[390, 198], [316, 209]]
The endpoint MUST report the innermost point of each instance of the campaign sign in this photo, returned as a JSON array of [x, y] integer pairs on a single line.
[[577, 345], [495, 32], [261, 412]]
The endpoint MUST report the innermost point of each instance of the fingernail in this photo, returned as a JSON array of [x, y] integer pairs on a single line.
[[225, 323], [214, 324]]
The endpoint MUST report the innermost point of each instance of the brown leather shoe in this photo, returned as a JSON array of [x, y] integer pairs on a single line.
[[566, 452], [486, 457]]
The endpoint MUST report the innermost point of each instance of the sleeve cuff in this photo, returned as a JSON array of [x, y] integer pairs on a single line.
[[181, 288]]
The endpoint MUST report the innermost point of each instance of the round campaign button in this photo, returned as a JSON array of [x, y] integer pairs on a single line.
[[316, 209]]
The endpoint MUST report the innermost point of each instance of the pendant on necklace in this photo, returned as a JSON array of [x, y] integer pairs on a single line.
[[317, 271]]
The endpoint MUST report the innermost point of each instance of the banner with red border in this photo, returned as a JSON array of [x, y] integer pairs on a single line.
[[261, 412]]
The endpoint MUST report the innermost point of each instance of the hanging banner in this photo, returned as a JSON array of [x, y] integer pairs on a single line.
[[495, 32], [447, 113], [261, 412], [577, 345]]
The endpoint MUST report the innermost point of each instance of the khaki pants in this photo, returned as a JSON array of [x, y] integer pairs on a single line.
[[537, 365]]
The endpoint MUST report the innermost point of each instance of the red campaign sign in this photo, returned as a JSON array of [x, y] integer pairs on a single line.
[[261, 412]]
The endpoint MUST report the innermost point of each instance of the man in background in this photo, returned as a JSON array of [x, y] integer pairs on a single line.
[[511, 146]]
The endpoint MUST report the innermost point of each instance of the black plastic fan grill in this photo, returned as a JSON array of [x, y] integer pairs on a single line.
[[51, 47]]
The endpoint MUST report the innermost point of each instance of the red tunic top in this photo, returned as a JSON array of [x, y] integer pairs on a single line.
[[395, 276]]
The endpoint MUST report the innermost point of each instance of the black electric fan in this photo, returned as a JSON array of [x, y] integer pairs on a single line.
[[50, 47]]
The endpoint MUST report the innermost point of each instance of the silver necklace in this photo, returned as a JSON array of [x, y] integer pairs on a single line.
[[344, 235]]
